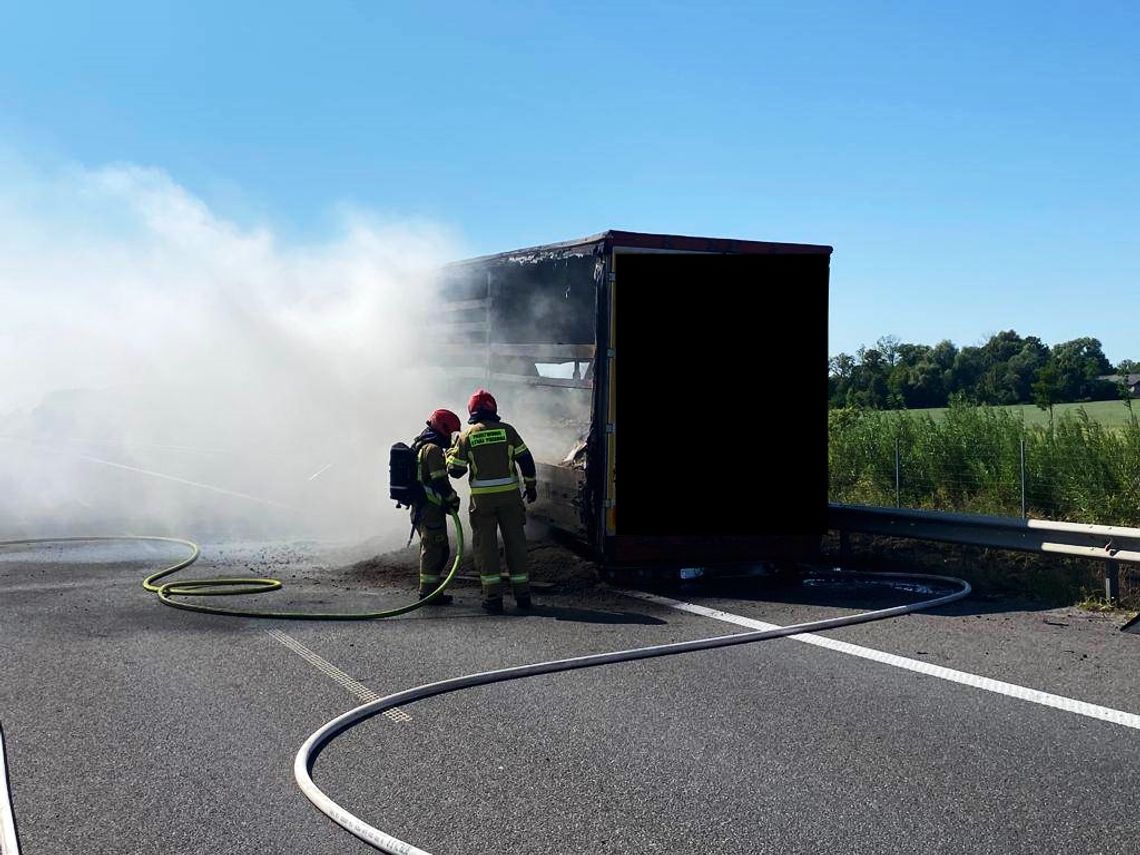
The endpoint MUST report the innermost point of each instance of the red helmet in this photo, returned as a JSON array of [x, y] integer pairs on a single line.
[[482, 401], [443, 422]]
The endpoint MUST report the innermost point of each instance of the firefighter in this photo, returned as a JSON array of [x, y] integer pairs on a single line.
[[429, 515], [491, 449]]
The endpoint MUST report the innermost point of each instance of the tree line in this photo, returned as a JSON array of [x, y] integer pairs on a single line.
[[1007, 369]]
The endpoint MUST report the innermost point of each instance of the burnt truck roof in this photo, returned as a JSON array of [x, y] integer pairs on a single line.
[[650, 242]]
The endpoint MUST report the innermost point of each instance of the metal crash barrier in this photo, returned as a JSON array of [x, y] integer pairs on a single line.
[[1104, 542]]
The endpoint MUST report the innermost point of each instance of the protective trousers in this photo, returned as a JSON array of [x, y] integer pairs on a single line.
[[493, 514], [434, 547]]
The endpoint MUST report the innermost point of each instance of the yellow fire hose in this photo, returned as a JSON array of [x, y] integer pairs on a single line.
[[232, 585]]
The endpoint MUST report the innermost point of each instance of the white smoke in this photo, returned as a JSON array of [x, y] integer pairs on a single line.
[[168, 370]]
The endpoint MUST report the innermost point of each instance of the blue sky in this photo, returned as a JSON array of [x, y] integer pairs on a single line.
[[975, 165]]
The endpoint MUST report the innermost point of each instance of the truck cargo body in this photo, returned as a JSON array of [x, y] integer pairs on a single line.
[[673, 389]]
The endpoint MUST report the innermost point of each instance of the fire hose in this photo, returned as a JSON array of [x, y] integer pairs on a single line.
[[307, 755], [235, 585]]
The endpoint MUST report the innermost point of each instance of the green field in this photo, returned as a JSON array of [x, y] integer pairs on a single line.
[[1111, 414], [1084, 468]]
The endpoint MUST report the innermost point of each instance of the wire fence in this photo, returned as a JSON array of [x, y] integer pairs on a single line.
[[1007, 487], [980, 460]]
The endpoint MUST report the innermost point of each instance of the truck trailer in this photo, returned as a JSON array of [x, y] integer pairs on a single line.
[[672, 389]]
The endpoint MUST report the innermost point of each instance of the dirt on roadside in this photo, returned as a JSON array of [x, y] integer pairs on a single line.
[[553, 565], [1051, 580]]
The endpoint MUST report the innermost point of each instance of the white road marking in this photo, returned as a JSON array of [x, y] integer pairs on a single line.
[[8, 843], [185, 481], [320, 471], [151, 474], [355, 687], [1070, 705]]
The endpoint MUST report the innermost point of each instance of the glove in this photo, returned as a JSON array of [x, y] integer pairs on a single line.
[[531, 493], [451, 504]]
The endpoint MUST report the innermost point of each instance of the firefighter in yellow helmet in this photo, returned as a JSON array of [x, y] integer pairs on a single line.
[[490, 449], [439, 499]]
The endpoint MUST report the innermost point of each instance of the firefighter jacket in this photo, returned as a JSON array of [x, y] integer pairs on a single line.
[[493, 452], [431, 469]]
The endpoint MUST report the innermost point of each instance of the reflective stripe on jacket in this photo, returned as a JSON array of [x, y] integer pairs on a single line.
[[430, 467], [487, 450]]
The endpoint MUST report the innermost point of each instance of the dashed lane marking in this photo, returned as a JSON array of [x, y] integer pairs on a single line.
[[355, 687]]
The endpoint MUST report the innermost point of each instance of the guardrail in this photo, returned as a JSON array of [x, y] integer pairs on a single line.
[[1104, 542]]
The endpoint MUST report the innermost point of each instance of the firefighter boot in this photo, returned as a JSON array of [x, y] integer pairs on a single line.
[[441, 600], [494, 607]]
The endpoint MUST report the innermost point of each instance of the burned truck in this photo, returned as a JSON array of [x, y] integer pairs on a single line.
[[673, 389]]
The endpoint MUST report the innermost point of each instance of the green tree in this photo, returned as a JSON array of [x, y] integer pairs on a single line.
[[1047, 389], [968, 368], [901, 378], [1023, 367], [889, 346], [1008, 365], [1080, 363], [839, 372], [869, 381], [1125, 394]]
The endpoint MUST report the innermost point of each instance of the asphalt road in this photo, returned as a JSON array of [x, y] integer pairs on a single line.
[[131, 727]]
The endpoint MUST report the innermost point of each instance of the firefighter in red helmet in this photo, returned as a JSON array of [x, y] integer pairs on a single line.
[[429, 516], [493, 453]]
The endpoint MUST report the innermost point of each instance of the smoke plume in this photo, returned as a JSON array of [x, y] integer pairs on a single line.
[[168, 371]]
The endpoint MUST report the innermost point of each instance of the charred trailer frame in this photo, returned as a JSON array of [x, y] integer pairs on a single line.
[[672, 389]]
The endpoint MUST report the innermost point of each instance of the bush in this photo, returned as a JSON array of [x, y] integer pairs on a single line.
[[970, 460]]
